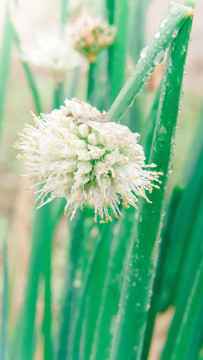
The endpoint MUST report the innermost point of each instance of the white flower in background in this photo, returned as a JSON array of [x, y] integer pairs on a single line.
[[52, 51], [78, 154], [90, 33]]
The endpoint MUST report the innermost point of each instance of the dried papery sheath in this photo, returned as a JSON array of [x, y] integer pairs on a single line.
[[90, 33], [78, 154], [52, 51]]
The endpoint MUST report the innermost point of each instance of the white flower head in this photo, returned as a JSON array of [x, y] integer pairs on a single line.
[[90, 33], [78, 154], [52, 51]]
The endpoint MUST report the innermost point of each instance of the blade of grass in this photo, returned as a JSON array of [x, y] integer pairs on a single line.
[[4, 341], [5, 59], [136, 290], [171, 23]]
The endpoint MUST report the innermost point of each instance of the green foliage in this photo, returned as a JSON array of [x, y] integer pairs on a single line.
[[113, 285]]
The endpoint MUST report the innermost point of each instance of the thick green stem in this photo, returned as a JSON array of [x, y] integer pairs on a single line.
[[170, 25], [137, 285], [112, 286], [35, 269], [118, 51], [79, 337], [70, 291], [159, 278], [138, 27]]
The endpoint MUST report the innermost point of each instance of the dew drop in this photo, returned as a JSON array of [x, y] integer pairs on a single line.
[[150, 71], [175, 33], [157, 34], [159, 58], [77, 283], [144, 52]]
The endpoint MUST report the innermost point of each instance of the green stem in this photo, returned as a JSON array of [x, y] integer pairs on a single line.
[[5, 58], [91, 83], [58, 95], [138, 27], [193, 257], [148, 129], [188, 321], [160, 270], [3, 342], [67, 316], [29, 76], [136, 290], [64, 11], [35, 269], [119, 48], [47, 321], [173, 20], [110, 4], [78, 343], [112, 286]]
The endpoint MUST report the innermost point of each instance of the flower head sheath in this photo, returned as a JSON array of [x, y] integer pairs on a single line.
[[76, 153]]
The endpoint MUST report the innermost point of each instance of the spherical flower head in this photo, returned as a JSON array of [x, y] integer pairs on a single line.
[[52, 51], [91, 34], [76, 153]]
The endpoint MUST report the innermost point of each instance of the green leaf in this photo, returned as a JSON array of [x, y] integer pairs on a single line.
[[136, 290]]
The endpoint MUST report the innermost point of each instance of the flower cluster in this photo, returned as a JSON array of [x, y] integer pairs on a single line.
[[52, 51], [78, 154], [91, 34]]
